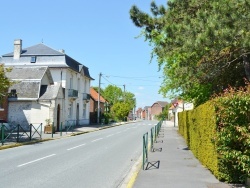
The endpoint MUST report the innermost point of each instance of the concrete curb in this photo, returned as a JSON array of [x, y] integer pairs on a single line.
[[132, 175]]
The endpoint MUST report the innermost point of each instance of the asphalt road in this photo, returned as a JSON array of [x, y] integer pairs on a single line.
[[93, 160]]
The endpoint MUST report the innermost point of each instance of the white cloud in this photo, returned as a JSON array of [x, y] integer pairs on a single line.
[[141, 88]]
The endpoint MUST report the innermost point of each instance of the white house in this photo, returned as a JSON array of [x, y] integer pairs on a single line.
[[72, 76], [33, 97], [176, 107]]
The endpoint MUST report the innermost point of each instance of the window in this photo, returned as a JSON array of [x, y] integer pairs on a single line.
[[84, 111], [70, 111], [33, 59], [78, 84], [71, 83], [13, 93]]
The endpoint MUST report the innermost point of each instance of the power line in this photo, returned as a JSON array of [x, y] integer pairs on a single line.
[[110, 82], [133, 77], [136, 78]]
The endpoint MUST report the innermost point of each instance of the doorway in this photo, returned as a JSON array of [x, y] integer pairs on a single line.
[[58, 118], [77, 114]]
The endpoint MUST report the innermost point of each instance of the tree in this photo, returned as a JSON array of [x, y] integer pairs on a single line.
[[164, 114], [121, 110], [203, 46], [130, 99], [118, 99], [5, 83], [113, 94]]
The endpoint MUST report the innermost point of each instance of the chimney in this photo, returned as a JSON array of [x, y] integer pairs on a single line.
[[17, 48], [62, 51]]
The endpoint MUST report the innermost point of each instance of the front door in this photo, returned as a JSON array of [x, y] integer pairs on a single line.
[[77, 114], [58, 118]]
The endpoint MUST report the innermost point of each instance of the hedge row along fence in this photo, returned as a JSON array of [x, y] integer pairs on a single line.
[[218, 134]]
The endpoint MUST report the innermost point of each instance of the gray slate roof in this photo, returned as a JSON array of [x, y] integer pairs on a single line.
[[28, 83], [49, 92], [42, 51], [26, 90], [37, 50], [24, 73]]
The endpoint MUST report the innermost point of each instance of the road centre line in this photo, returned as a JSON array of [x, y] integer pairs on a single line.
[[76, 147], [96, 139], [36, 160], [110, 135]]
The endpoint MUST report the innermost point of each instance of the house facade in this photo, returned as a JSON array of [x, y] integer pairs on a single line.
[[147, 112], [94, 98], [33, 97], [139, 113], [67, 73], [157, 108], [177, 106]]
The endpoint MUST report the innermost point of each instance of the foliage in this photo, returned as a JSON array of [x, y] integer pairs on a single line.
[[5, 83], [106, 117], [118, 99], [203, 46], [221, 127], [113, 94], [164, 114], [121, 110], [48, 121], [198, 127], [233, 127], [130, 99]]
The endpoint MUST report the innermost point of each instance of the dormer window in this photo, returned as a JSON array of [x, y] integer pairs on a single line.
[[33, 59], [13, 93]]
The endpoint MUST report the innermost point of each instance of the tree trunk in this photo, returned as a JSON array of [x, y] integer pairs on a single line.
[[246, 64]]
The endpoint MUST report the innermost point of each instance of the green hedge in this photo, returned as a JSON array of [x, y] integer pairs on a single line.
[[198, 128], [218, 134]]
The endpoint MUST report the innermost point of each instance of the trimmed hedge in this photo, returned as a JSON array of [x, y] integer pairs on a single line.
[[218, 134], [198, 129]]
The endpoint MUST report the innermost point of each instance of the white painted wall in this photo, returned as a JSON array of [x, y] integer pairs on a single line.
[[79, 83]]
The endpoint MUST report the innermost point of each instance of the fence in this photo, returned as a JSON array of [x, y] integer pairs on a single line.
[[19, 134], [154, 134], [145, 150]]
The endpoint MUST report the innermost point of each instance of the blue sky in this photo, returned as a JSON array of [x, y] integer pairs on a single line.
[[98, 34]]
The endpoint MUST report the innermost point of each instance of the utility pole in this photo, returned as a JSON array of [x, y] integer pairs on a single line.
[[124, 93], [98, 107]]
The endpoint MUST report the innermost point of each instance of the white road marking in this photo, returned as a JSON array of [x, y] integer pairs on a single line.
[[36, 160], [96, 139], [118, 132], [110, 135], [76, 147]]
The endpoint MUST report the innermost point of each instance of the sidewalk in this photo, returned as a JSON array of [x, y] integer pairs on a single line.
[[174, 165]]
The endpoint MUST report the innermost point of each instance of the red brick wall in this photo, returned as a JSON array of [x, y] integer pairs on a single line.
[[4, 110], [92, 105], [156, 109]]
